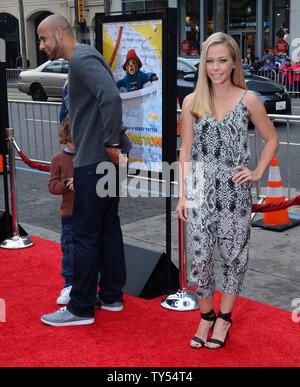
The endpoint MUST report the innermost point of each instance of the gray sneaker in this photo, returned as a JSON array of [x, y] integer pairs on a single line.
[[113, 307], [64, 318]]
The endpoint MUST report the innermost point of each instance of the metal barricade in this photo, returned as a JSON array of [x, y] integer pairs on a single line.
[[36, 125], [291, 80], [271, 74], [12, 75], [296, 83]]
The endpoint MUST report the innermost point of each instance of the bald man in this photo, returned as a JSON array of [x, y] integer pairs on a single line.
[[95, 115]]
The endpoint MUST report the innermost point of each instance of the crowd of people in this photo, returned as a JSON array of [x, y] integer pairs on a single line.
[[280, 65]]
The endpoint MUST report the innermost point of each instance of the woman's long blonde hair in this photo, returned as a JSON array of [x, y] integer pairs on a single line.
[[202, 101]]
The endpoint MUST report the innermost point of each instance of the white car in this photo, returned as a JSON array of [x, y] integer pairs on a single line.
[[45, 81]]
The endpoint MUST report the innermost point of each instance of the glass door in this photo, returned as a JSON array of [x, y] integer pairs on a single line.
[[249, 43], [237, 36], [245, 41]]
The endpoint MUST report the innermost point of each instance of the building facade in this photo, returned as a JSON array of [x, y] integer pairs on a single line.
[[255, 24], [34, 12]]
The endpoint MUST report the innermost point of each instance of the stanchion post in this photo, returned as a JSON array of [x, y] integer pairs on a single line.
[[182, 256], [261, 199], [12, 166], [6, 224], [16, 241], [183, 299]]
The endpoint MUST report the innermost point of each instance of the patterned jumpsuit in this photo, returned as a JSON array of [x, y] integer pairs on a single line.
[[219, 209]]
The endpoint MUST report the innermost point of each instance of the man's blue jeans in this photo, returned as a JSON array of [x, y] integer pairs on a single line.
[[98, 245], [67, 251]]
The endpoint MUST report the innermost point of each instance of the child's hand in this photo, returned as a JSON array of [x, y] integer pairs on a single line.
[[70, 184]]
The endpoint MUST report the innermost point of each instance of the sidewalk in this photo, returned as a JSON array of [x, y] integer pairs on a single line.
[[273, 276]]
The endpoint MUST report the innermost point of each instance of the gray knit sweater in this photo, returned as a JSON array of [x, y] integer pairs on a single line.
[[95, 109]]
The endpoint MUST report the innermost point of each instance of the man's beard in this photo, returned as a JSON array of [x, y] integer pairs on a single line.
[[54, 53]]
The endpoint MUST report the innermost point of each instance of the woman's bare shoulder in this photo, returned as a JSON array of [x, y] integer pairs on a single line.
[[187, 103], [188, 99], [251, 100]]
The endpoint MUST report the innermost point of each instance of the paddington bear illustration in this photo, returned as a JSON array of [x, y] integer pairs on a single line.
[[135, 78]]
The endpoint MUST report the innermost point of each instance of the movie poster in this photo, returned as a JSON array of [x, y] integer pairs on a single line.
[[134, 51]]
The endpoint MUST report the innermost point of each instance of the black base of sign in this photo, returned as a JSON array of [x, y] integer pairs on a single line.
[[149, 274]]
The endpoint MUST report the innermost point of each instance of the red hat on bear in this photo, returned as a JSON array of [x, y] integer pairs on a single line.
[[131, 54]]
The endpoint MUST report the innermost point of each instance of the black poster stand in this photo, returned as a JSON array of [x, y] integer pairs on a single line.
[[5, 221], [168, 16]]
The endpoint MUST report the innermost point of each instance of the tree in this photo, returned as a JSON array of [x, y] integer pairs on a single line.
[[220, 9]]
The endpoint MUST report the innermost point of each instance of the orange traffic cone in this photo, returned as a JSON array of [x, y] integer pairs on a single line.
[[179, 122], [275, 194], [275, 220]]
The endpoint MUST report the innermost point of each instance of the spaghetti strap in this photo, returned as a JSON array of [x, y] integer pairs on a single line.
[[243, 96]]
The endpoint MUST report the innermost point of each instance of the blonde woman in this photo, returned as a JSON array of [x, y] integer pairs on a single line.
[[215, 182]]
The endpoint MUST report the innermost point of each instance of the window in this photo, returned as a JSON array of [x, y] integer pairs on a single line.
[[242, 14], [183, 69], [192, 25], [143, 5], [65, 67], [53, 67]]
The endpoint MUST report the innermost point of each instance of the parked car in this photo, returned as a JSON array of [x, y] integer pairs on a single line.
[[272, 94], [45, 81]]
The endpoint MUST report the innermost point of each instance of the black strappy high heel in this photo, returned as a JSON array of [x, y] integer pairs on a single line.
[[225, 317], [210, 316]]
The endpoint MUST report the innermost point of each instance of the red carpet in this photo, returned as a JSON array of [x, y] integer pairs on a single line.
[[143, 335]]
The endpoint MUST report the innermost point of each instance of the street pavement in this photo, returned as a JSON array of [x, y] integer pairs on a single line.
[[273, 276]]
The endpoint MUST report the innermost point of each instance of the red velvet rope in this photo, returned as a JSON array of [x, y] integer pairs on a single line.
[[274, 206], [32, 164]]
